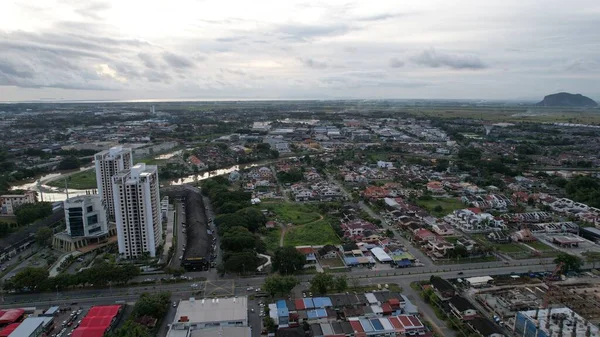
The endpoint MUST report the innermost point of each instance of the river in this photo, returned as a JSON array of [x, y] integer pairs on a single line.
[[54, 194]]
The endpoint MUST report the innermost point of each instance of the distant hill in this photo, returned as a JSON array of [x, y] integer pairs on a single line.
[[566, 99]]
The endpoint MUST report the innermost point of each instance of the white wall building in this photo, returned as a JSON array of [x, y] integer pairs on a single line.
[[137, 210], [108, 164], [9, 202], [85, 216]]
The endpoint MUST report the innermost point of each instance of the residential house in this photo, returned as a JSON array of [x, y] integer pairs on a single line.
[[462, 308], [442, 229], [443, 289]]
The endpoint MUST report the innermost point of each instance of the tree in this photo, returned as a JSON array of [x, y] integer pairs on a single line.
[[69, 163], [131, 329], [569, 262], [280, 285], [288, 260], [341, 283], [238, 239], [269, 324], [28, 213], [30, 278], [321, 282], [43, 236], [152, 304], [438, 209], [241, 262]]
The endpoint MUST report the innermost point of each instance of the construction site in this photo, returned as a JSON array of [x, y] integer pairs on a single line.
[[580, 295]]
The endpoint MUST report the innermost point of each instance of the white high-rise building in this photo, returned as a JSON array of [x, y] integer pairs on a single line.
[[85, 216], [137, 210], [109, 163]]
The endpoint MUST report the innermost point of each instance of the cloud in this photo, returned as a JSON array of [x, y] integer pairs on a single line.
[[396, 63], [177, 61], [382, 16], [312, 63], [148, 61], [305, 32], [431, 58], [233, 71]]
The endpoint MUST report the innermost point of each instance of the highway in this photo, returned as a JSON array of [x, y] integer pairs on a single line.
[[238, 286]]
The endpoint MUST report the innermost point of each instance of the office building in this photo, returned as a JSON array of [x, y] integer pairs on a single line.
[[9, 202], [108, 164], [86, 223], [85, 215], [137, 210]]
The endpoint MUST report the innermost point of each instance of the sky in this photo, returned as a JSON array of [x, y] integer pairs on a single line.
[[267, 49]]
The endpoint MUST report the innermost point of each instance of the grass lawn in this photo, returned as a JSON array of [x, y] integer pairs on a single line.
[[152, 161], [448, 205], [83, 180], [296, 213], [314, 233], [539, 245], [332, 263], [510, 248], [272, 239]]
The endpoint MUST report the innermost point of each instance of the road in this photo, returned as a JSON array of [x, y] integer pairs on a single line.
[[417, 253], [231, 287], [210, 215], [238, 287], [181, 238]]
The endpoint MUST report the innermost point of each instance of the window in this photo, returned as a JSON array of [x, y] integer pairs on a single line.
[[90, 209]]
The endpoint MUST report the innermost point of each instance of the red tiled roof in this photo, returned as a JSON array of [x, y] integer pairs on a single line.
[[305, 250], [356, 326]]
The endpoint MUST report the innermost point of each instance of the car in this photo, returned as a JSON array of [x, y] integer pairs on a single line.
[[257, 289], [460, 273], [249, 288], [64, 323], [252, 310], [70, 323], [181, 257], [174, 304], [303, 294]]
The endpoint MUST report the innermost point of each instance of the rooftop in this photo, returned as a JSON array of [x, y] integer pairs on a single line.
[[213, 310]]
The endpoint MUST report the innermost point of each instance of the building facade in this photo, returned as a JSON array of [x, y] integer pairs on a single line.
[[9, 202], [137, 211], [85, 216], [108, 164]]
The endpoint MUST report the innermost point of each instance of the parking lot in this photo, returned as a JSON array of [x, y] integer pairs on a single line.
[[67, 320]]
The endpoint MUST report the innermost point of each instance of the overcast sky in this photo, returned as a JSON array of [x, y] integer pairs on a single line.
[[203, 49]]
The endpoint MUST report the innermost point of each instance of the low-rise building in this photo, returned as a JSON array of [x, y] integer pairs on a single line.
[[9, 202]]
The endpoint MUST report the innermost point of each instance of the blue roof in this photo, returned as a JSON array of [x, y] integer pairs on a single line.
[[281, 304], [51, 311], [350, 260], [283, 312], [321, 312], [322, 302], [308, 303], [377, 325], [366, 325], [403, 263], [409, 307], [311, 313]]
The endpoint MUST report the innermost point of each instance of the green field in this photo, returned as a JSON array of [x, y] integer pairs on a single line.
[[271, 239], [504, 114], [83, 180], [448, 205], [296, 213], [314, 233], [539, 246]]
